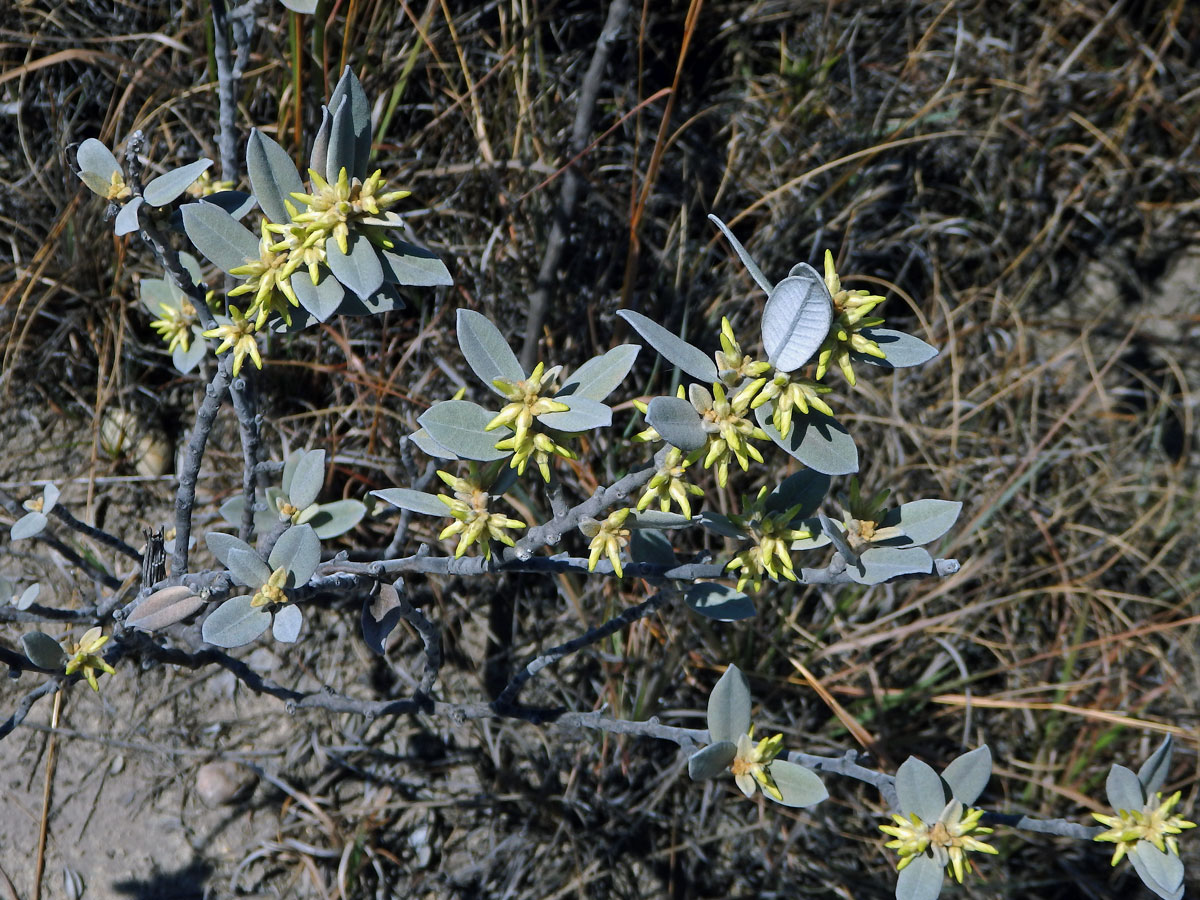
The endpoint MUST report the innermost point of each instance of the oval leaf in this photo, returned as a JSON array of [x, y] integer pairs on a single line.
[[651, 547], [340, 154], [720, 602], [169, 185], [321, 299], [429, 446], [337, 518], [729, 707], [799, 786], [320, 148], [818, 441], [920, 790], [273, 176], [236, 203], [359, 111], [1124, 789], [358, 269], [409, 264], [901, 350], [380, 615], [968, 775], [164, 608], [599, 376], [458, 426], [247, 567], [711, 761], [43, 651], [96, 165], [722, 525], [486, 351], [921, 879], [234, 623], [751, 266], [1159, 871], [286, 627], [674, 349], [50, 495], [220, 544], [585, 414], [1154, 770], [219, 236], [127, 219], [805, 489], [923, 521], [416, 501], [28, 525], [299, 550], [27, 596], [308, 476], [880, 564], [796, 319], [677, 421]]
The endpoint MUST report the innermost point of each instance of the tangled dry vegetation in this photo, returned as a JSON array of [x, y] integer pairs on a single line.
[[1020, 179]]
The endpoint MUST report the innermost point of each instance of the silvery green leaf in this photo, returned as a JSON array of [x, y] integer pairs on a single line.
[[385, 218], [806, 489], [154, 294], [416, 501], [50, 495], [299, 550], [677, 421], [429, 446], [880, 564], [236, 203], [1153, 771], [585, 414], [799, 786], [306, 7], [380, 616], [164, 608], [1124, 789], [234, 623], [837, 537], [968, 775], [358, 269], [273, 176], [231, 509], [409, 264], [289, 469], [486, 351], [458, 426], [337, 518], [923, 521], [359, 111], [168, 186], [27, 526], [599, 376], [729, 707], [320, 149], [719, 601], [817, 440], [43, 651], [1159, 871], [27, 596], [920, 790], [796, 319], [902, 350], [247, 567], [751, 266], [654, 518], [712, 761], [921, 879], [651, 547], [386, 299], [96, 165], [675, 350], [219, 236], [308, 476], [722, 525], [341, 140], [286, 627], [323, 299], [127, 219], [220, 544], [186, 360]]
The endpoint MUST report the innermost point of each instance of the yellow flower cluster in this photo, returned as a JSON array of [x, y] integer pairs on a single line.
[[473, 522], [850, 317], [1155, 824], [608, 537], [85, 656], [950, 838]]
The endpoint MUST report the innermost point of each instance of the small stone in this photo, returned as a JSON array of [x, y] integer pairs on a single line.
[[223, 783]]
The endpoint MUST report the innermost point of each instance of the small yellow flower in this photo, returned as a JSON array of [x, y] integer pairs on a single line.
[[272, 591], [204, 186], [734, 365], [536, 446], [118, 190], [84, 656], [771, 553], [949, 838], [333, 209], [473, 521], [608, 537], [750, 765], [176, 324], [729, 430], [268, 278], [668, 485], [1154, 824], [790, 392], [526, 401], [850, 310], [238, 334], [861, 518]]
